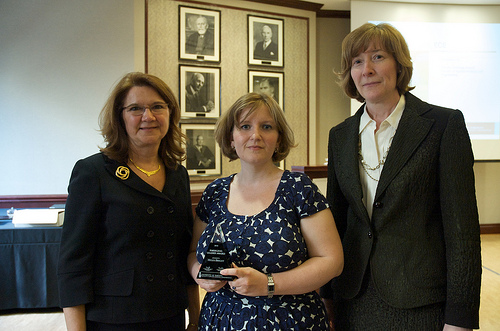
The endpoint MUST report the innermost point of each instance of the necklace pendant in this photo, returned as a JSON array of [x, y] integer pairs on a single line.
[[147, 173]]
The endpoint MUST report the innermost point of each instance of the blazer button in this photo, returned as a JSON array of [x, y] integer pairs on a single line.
[[170, 209], [170, 255], [150, 278], [150, 210], [171, 277], [370, 234], [378, 204], [149, 255], [151, 234]]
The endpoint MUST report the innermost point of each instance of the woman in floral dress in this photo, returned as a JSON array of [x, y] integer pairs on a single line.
[[278, 230]]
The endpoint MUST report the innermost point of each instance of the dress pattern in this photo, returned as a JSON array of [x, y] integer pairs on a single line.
[[269, 241]]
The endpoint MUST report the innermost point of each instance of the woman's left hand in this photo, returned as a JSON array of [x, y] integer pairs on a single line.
[[249, 281], [211, 285]]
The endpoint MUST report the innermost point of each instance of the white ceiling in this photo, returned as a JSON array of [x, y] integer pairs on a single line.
[[346, 4]]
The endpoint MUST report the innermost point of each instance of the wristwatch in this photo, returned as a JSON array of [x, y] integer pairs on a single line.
[[270, 285]]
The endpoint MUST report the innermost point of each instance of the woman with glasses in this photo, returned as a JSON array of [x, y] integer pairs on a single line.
[[128, 219]]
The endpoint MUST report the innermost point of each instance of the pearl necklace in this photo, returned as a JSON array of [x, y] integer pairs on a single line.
[[148, 173], [381, 162]]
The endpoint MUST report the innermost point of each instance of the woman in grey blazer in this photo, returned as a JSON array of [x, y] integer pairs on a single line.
[[401, 189], [128, 220]]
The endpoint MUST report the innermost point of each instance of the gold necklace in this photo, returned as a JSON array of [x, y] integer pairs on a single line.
[[148, 173]]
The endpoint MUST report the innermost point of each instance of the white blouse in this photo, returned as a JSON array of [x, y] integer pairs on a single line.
[[373, 149]]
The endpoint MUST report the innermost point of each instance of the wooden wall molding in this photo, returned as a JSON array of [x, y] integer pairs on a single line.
[[306, 5], [334, 13], [297, 4], [45, 201], [312, 171], [490, 228], [32, 201], [322, 171]]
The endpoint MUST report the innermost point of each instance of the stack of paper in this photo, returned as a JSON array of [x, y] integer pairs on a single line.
[[38, 217]]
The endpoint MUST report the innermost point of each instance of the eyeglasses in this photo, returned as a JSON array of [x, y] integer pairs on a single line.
[[156, 109]]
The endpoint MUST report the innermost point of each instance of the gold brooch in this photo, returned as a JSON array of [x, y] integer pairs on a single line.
[[122, 172]]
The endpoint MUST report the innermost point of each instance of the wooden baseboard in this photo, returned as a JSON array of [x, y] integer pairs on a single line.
[[45, 201], [490, 228], [31, 201]]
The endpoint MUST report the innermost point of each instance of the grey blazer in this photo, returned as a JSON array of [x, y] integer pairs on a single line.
[[422, 244]]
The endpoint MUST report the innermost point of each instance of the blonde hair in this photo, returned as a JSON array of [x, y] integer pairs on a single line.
[[252, 101]]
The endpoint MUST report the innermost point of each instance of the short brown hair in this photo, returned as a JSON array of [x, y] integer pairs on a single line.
[[385, 36], [113, 128], [252, 101]]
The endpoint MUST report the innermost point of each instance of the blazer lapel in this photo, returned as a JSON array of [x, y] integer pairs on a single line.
[[347, 140], [412, 130], [124, 174]]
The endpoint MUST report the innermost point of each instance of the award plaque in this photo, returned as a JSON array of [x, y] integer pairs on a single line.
[[216, 258]]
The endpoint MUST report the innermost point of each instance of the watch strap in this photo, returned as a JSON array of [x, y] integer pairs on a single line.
[[270, 285]]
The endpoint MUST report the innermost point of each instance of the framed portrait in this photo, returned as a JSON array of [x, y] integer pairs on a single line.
[[199, 94], [267, 82], [203, 153], [265, 41], [199, 31]]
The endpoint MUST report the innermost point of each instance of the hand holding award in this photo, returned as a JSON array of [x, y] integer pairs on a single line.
[[216, 258]]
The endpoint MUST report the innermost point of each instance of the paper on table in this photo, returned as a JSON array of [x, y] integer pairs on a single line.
[[38, 217]]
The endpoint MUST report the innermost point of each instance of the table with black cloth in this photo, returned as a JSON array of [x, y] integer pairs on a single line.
[[28, 266]]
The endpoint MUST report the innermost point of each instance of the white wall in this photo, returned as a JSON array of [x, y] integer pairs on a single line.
[[487, 173], [455, 53], [333, 106], [58, 61]]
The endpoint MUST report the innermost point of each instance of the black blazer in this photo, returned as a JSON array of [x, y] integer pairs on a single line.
[[124, 244], [422, 244]]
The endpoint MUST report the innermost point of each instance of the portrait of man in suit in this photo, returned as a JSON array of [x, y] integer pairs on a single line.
[[199, 91], [267, 48], [201, 40], [270, 83], [199, 156], [197, 95], [266, 86]]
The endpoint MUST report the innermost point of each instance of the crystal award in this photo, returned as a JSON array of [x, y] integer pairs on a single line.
[[216, 258]]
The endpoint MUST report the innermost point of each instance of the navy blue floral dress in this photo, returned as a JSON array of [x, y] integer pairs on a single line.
[[270, 241]]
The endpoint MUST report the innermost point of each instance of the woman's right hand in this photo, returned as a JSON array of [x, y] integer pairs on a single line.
[[209, 285]]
